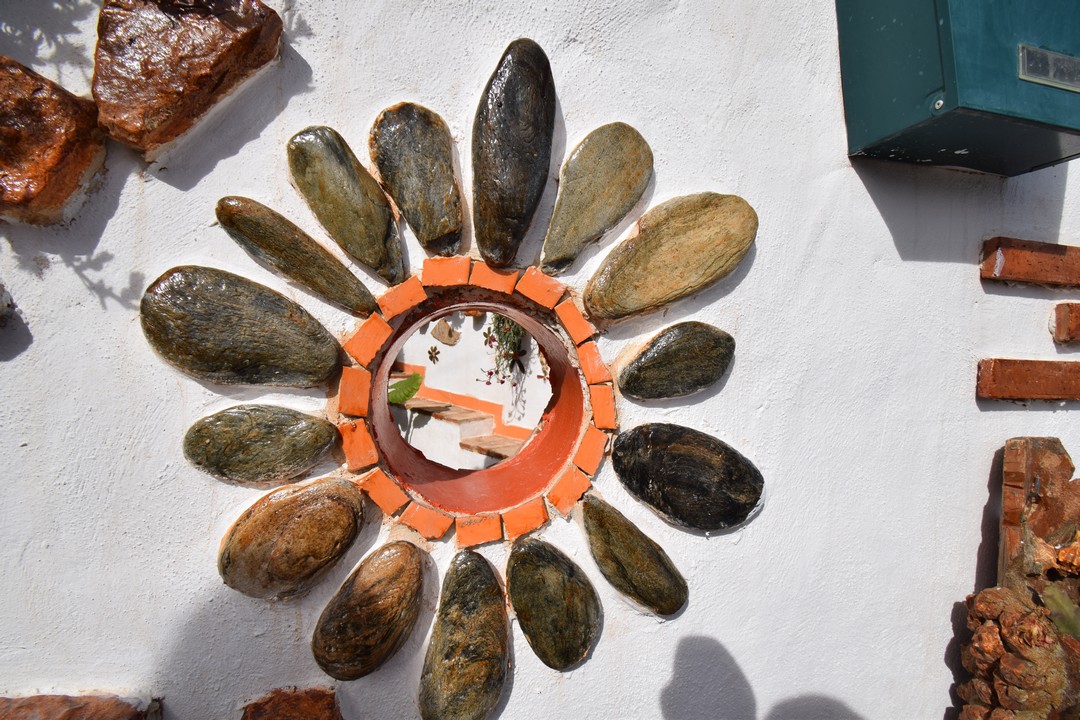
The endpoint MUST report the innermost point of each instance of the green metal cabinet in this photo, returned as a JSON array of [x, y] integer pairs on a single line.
[[987, 85]]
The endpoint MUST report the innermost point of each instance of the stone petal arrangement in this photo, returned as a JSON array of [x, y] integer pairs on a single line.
[[221, 328]]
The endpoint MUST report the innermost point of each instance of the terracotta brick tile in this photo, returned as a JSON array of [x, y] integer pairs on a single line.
[[292, 703], [444, 271], [485, 276], [368, 339], [525, 518], [592, 365], [478, 529], [353, 391], [1012, 260], [427, 521], [402, 297], [1067, 323], [602, 398], [540, 288], [575, 323], [1006, 379], [569, 488], [383, 491], [358, 445], [591, 451]]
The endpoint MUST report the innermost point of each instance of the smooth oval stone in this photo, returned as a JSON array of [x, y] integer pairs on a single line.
[[690, 478], [600, 182], [224, 328], [414, 152], [346, 200], [277, 242], [680, 360], [630, 560], [511, 149], [554, 601], [282, 544], [682, 246], [467, 660], [373, 613], [258, 444]]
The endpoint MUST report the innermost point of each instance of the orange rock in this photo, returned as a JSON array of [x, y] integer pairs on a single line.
[[293, 704], [66, 707], [50, 146]]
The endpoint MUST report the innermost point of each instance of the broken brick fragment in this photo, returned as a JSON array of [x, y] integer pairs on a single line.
[[295, 704], [71, 707]]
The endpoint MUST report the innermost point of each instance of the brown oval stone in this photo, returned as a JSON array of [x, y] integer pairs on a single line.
[[511, 149], [373, 613], [258, 444], [630, 560], [283, 246], [282, 544], [414, 152], [678, 361], [347, 200], [467, 660], [682, 246], [224, 328], [599, 183]]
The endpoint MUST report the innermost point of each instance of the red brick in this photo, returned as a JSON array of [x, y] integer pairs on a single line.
[[540, 288], [354, 391], [525, 518], [384, 492], [1006, 379], [602, 399], [70, 707], [575, 323], [485, 276], [295, 704], [358, 445], [445, 271], [1012, 260], [591, 451], [592, 364], [402, 297], [1067, 323]]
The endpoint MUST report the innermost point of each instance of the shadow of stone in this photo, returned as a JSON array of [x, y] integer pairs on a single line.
[[15, 337], [42, 32], [812, 707], [706, 684]]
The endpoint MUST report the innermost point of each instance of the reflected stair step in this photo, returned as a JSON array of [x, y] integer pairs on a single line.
[[446, 411], [497, 446]]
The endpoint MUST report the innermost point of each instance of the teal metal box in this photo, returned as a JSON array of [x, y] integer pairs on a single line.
[[987, 85]]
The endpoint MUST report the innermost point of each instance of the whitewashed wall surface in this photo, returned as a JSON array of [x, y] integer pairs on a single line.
[[859, 318]]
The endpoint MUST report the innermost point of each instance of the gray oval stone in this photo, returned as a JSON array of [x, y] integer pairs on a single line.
[[690, 478], [414, 152], [511, 149], [630, 560], [678, 361], [346, 200], [373, 613], [224, 328], [682, 246], [600, 182], [284, 542], [555, 603], [258, 444], [468, 657], [283, 246]]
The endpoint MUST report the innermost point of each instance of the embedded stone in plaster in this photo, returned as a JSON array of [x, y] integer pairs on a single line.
[[1011, 379], [373, 613], [690, 478], [1065, 323], [258, 444], [369, 339], [224, 328], [568, 489], [283, 543], [478, 529], [446, 271], [159, 66], [511, 149], [279, 243], [51, 148], [347, 200], [445, 334], [681, 247], [680, 360], [468, 656], [631, 561], [1011, 260], [77, 707], [414, 152], [555, 603], [600, 182], [295, 704]]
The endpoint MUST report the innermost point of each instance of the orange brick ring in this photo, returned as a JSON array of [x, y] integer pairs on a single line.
[[508, 499]]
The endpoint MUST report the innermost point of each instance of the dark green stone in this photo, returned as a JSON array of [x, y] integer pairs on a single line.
[[511, 150], [555, 603], [689, 477], [277, 242], [373, 613], [284, 542], [258, 444], [468, 658], [634, 564], [414, 152], [224, 328], [599, 183], [346, 200], [680, 360]]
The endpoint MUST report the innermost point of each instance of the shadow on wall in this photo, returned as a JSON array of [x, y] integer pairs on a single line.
[[43, 30], [707, 684], [939, 215]]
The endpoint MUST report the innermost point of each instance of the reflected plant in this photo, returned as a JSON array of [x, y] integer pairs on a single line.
[[505, 337]]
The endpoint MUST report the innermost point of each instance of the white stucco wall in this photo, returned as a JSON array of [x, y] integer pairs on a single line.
[[859, 319]]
